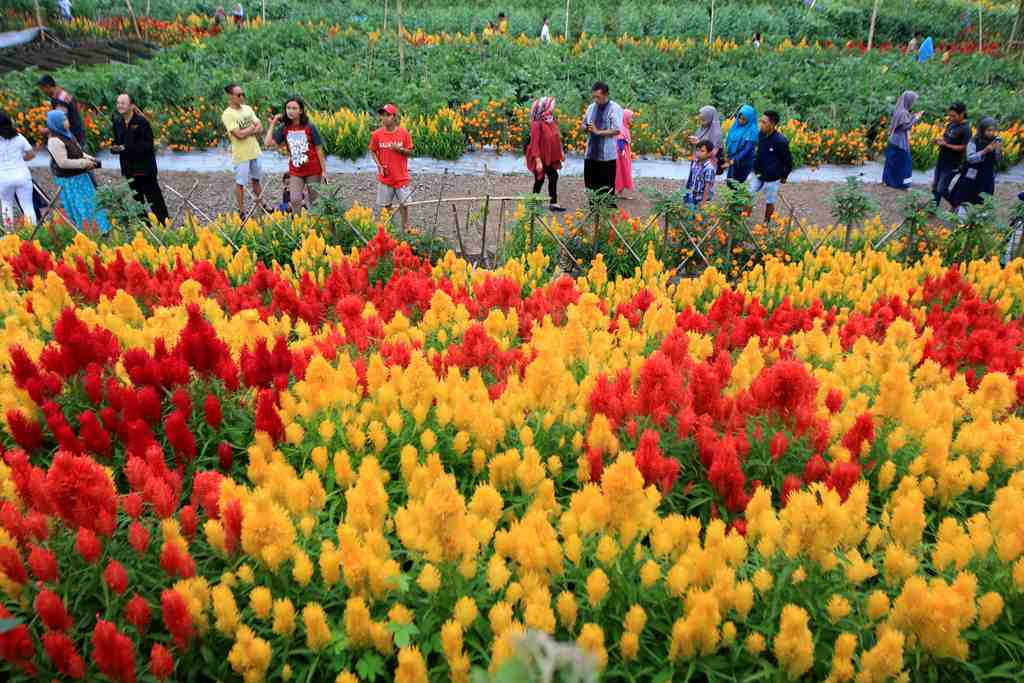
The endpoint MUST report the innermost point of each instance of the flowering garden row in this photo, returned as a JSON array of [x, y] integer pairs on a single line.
[[364, 467]]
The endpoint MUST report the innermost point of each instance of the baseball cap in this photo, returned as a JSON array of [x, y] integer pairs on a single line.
[[388, 109]]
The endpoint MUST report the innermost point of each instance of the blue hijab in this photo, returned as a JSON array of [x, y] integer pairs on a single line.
[[56, 122], [926, 51], [739, 134]]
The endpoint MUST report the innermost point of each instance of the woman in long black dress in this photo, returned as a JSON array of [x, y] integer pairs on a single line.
[[978, 176]]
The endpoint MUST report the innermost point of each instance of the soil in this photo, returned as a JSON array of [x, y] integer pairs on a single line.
[[214, 194]]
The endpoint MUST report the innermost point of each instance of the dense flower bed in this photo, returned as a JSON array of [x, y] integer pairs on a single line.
[[358, 465]]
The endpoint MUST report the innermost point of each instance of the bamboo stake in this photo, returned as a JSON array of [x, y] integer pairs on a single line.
[[567, 21], [131, 11], [458, 232], [711, 26], [401, 40], [871, 30], [483, 238], [42, 33], [385, 29], [979, 28], [263, 14]]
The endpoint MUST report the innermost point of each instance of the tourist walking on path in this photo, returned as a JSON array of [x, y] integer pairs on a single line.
[[545, 32], [391, 147], [544, 153], [243, 128], [307, 164], [710, 131], [602, 121], [898, 164], [952, 146], [62, 99], [978, 175], [133, 144], [773, 162], [70, 167], [741, 144], [700, 186], [15, 178], [624, 160]]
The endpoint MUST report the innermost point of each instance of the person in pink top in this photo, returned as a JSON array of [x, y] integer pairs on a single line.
[[624, 163]]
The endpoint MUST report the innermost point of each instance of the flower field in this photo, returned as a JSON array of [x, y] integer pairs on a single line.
[[319, 465]]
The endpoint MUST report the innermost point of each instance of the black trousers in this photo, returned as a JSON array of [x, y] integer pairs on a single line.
[[552, 176], [147, 191], [941, 181], [599, 175]]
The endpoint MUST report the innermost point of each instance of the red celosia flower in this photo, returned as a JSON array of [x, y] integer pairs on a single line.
[[232, 514], [138, 536], [183, 402], [94, 437], [113, 652], [11, 565], [26, 433], [43, 564], [199, 344], [267, 419], [16, 645], [595, 461], [161, 664], [181, 438], [177, 618], [138, 614], [862, 432], [116, 577], [784, 387], [225, 455], [189, 521], [88, 545], [51, 610], [61, 651], [132, 504], [834, 401], [206, 492], [176, 562], [149, 404], [844, 476], [82, 493], [816, 469], [212, 411]]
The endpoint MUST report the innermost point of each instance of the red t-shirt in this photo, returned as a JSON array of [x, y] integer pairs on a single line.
[[385, 144], [303, 143]]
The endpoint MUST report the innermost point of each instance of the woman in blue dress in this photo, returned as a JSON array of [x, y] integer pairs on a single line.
[[898, 164], [70, 167]]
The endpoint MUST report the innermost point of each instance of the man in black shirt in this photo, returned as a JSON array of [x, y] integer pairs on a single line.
[[951, 149], [773, 161], [62, 99]]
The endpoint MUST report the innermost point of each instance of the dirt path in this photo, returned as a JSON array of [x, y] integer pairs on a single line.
[[214, 195]]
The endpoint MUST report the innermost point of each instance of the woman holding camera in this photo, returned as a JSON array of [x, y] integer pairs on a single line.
[[70, 167]]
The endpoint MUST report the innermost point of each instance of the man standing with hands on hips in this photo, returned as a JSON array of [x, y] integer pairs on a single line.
[[391, 147]]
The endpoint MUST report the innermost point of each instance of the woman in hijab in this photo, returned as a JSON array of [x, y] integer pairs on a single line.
[[544, 153], [741, 144], [898, 164], [70, 167], [978, 176], [624, 162], [710, 130]]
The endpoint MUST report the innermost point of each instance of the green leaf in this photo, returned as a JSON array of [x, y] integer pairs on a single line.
[[369, 666], [403, 633]]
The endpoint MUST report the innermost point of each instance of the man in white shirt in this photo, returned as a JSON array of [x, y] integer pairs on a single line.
[[545, 32], [602, 122]]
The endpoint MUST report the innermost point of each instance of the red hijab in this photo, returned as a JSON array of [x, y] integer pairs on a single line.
[[545, 138]]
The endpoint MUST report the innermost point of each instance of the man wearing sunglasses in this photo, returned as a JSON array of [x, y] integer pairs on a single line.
[[243, 128]]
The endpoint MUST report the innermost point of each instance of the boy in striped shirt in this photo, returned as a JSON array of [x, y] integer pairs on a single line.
[[700, 186]]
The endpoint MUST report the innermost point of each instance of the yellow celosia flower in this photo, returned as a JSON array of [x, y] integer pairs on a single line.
[[566, 606], [591, 639], [838, 607], [990, 608], [465, 611], [755, 644], [318, 632], [794, 645], [411, 667], [597, 587], [225, 610], [636, 619], [877, 605], [250, 655], [284, 617]]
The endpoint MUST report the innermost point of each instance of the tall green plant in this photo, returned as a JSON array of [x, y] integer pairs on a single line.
[[851, 206]]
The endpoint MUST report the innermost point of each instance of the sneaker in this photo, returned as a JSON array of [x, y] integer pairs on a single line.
[[556, 207]]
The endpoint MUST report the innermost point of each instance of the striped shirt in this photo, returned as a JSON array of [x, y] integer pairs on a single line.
[[702, 175]]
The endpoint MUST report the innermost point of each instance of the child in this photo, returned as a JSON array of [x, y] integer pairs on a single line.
[[773, 162], [700, 185], [391, 147]]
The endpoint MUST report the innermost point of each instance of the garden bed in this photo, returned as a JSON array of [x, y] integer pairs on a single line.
[[46, 55]]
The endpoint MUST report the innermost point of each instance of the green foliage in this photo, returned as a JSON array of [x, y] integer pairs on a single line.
[[977, 236], [120, 203], [851, 205]]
